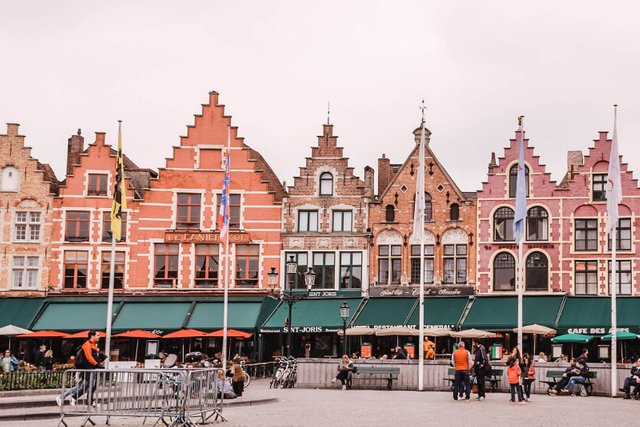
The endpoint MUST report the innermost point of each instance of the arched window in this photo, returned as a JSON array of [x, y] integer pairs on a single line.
[[503, 225], [537, 224], [428, 208], [326, 184], [537, 272], [389, 213], [10, 179], [454, 212], [513, 179], [504, 272]]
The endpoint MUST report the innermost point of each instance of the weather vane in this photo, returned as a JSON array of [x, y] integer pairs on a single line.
[[422, 107], [520, 122]]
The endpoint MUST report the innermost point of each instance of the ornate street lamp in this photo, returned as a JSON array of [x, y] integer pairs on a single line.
[[344, 313], [289, 297]]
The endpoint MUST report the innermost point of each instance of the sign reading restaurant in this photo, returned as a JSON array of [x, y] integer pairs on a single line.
[[414, 291], [200, 237]]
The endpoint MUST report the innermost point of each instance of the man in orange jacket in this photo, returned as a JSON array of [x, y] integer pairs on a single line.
[[461, 360], [89, 358]]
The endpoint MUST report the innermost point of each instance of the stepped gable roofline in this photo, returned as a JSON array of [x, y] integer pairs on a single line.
[[327, 133], [428, 152], [48, 175]]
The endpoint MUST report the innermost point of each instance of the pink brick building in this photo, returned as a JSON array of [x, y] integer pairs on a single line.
[[565, 247]]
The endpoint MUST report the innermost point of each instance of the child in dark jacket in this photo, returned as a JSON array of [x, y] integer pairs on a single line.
[[514, 374]]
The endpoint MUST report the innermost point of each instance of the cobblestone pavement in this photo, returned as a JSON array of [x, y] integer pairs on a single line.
[[314, 407]]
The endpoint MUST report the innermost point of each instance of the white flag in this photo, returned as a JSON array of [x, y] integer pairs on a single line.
[[418, 211], [614, 192]]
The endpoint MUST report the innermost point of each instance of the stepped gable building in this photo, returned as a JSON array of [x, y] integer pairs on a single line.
[[325, 220], [178, 243], [450, 226], [27, 189], [497, 249], [81, 236], [586, 252]]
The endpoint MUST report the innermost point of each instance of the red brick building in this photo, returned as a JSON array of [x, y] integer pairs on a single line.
[[27, 189], [325, 219], [449, 228], [81, 238], [178, 246]]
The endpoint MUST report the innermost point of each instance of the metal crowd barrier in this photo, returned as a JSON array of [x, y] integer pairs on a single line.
[[174, 397]]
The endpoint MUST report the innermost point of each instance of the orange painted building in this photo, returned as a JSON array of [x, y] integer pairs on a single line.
[[177, 240], [81, 238]]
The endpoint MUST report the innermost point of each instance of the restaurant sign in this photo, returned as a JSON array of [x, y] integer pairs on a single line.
[[301, 330], [204, 237], [594, 331], [414, 291]]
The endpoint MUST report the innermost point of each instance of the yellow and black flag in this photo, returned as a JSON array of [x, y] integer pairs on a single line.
[[119, 193]]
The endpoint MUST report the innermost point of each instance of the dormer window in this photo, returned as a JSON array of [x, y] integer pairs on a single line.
[[326, 184], [97, 185]]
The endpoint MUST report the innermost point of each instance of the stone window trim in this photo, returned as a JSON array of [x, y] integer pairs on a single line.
[[429, 267], [624, 273], [624, 236], [537, 271], [307, 220], [585, 277], [166, 265], [76, 269], [585, 235], [207, 265], [98, 184], [598, 187], [351, 269], [77, 225], [106, 226], [454, 264], [342, 220], [236, 207], [505, 261], [537, 224], [27, 226], [188, 210], [502, 224], [247, 265], [25, 272], [326, 183]]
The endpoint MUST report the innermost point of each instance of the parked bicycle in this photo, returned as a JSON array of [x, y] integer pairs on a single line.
[[286, 375]]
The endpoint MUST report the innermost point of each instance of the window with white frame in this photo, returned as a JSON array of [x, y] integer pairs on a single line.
[[307, 220], [326, 184], [623, 277], [27, 226], [455, 264], [586, 277], [342, 220], [24, 272]]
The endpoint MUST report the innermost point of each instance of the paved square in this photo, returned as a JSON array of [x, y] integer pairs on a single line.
[[334, 407]]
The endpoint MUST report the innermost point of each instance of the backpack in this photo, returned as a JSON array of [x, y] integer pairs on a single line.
[[81, 361]]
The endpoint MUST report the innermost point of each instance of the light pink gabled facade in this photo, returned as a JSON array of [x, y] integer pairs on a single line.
[[554, 249], [579, 204]]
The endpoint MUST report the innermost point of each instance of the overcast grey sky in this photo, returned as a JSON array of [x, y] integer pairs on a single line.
[[276, 64]]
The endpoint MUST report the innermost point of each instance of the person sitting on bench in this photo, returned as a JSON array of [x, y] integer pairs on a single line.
[[633, 380], [345, 372], [568, 373]]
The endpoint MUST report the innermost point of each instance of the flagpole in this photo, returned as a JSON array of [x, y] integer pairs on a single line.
[[112, 263], [520, 217], [614, 197], [227, 276], [420, 191]]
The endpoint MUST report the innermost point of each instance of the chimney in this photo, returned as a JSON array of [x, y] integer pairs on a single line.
[[574, 160], [368, 181], [75, 147], [384, 170], [12, 129], [492, 163]]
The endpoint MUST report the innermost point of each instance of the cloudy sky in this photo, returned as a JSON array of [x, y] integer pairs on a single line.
[[276, 64]]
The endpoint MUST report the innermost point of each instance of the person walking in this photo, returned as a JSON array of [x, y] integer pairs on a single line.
[[528, 376], [481, 367], [462, 362], [88, 357], [514, 374]]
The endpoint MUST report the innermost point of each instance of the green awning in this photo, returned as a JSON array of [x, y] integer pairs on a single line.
[[72, 316], [501, 313], [592, 315], [209, 316], [384, 312], [162, 317], [311, 316], [440, 312], [19, 311]]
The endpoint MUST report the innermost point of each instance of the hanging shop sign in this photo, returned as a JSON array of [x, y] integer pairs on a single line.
[[200, 237], [414, 291]]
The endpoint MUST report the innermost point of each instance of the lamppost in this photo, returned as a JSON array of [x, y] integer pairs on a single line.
[[344, 313], [288, 296]]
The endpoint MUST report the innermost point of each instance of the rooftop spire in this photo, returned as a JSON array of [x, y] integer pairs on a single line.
[[422, 107], [520, 122], [328, 113]]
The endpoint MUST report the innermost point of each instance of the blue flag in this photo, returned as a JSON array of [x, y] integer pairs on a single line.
[[521, 195]]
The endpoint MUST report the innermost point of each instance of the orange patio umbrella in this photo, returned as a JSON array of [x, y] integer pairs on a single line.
[[231, 333], [137, 333], [83, 334], [44, 334], [186, 333]]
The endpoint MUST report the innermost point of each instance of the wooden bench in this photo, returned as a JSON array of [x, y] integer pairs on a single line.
[[554, 377], [493, 377], [385, 373]]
